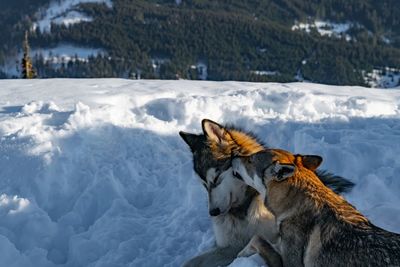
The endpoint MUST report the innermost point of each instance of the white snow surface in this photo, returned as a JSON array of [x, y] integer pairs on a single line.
[[94, 173]]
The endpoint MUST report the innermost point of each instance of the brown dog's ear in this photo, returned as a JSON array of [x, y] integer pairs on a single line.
[[215, 132], [311, 162], [190, 139]]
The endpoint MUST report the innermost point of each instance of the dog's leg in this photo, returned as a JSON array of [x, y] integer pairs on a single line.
[[268, 253], [264, 249], [249, 249], [214, 258]]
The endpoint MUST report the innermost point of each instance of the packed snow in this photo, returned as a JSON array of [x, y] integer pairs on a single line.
[[325, 28], [94, 173], [63, 12]]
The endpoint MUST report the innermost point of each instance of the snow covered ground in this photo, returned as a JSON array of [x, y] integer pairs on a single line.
[[94, 173]]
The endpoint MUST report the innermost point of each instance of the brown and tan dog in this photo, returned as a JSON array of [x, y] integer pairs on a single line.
[[316, 226]]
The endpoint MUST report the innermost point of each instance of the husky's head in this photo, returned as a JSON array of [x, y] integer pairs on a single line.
[[212, 152]]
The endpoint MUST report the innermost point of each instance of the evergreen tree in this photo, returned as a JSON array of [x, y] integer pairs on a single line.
[[236, 38], [27, 69]]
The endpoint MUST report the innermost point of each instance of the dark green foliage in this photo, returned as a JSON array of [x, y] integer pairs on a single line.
[[234, 37], [15, 18]]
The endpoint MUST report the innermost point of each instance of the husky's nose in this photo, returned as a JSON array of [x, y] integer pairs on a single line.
[[215, 212]]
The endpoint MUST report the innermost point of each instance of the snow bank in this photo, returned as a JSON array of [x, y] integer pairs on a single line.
[[93, 172]]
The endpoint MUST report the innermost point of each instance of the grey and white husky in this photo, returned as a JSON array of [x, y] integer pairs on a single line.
[[237, 210]]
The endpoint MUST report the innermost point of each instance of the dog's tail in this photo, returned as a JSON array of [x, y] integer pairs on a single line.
[[337, 183]]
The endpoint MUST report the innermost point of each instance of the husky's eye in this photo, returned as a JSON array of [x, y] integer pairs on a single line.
[[216, 178], [238, 176]]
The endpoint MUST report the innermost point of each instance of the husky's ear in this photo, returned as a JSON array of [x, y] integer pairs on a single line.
[[311, 162], [190, 139], [215, 132], [280, 171]]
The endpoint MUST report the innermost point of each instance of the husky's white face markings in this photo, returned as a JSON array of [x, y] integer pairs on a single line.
[[224, 190], [254, 181]]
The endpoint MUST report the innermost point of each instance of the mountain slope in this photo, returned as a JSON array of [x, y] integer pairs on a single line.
[[226, 40]]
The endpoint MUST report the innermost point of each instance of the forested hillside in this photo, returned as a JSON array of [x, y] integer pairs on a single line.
[[217, 40]]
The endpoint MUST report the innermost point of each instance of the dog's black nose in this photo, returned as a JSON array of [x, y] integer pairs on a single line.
[[215, 212]]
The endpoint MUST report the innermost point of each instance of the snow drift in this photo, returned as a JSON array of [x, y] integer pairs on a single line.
[[93, 172]]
